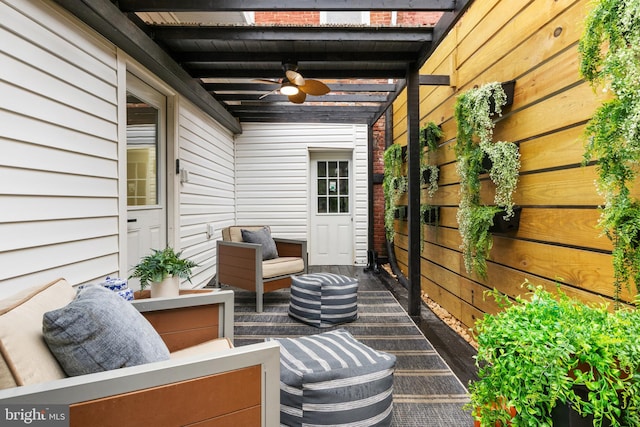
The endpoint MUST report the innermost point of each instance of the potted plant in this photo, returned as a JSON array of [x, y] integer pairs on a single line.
[[474, 146], [609, 50], [394, 184], [163, 269], [549, 353]]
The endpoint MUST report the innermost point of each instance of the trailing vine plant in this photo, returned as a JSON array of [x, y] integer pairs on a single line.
[[610, 52], [394, 185], [430, 134], [473, 112]]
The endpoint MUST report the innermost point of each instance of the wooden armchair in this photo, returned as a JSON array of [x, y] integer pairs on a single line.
[[240, 264], [206, 379]]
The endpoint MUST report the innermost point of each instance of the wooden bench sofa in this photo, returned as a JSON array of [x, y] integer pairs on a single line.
[[205, 380], [241, 264]]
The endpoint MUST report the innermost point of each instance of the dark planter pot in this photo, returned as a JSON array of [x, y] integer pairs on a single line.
[[564, 415], [431, 216], [426, 176], [502, 226], [401, 212], [486, 164], [509, 88]]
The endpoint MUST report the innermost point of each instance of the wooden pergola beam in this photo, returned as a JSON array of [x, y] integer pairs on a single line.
[[284, 5]]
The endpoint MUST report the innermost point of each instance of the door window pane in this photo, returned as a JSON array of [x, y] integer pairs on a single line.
[[322, 205], [142, 152], [322, 187], [322, 169], [333, 187]]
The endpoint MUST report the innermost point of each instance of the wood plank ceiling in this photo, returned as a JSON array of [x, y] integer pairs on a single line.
[[364, 66]]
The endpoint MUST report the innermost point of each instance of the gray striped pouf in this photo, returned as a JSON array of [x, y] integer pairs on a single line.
[[332, 379], [324, 299]]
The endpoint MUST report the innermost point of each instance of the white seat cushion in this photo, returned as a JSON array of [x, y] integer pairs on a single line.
[[282, 266], [204, 348]]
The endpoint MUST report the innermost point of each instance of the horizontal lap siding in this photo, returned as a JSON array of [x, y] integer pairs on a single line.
[[535, 43], [272, 182], [206, 151], [58, 139]]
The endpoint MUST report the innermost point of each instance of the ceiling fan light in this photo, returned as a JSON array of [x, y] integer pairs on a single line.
[[288, 89]]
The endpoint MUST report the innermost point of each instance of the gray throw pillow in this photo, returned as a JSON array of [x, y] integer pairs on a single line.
[[263, 237], [99, 331]]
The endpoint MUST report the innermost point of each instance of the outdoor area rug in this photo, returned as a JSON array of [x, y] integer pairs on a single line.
[[426, 392]]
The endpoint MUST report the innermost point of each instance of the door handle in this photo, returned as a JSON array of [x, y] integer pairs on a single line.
[[132, 220]]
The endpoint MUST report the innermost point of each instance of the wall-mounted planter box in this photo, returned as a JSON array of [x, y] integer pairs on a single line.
[[401, 212], [426, 175], [424, 134], [509, 88], [502, 226], [564, 415], [431, 216], [487, 164]]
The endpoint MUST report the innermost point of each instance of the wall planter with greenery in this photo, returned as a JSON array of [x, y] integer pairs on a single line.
[[609, 49], [394, 185], [508, 225], [549, 350], [474, 144], [430, 135]]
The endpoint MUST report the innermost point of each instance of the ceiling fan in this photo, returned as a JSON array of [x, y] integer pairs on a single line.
[[295, 86]]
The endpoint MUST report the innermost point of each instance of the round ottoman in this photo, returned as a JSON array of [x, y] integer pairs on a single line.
[[332, 379], [324, 299]]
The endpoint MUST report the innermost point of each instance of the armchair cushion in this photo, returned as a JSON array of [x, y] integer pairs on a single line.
[[262, 237], [27, 360], [99, 331]]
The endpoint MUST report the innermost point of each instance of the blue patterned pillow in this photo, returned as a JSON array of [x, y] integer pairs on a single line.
[[263, 237], [99, 331]]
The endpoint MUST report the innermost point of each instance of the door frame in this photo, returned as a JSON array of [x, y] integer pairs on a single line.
[[314, 154], [172, 180]]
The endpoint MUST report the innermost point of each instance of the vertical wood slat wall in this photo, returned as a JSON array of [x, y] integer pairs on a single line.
[[535, 43]]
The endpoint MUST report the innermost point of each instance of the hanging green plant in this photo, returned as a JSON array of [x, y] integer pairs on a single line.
[[430, 134], [609, 49], [394, 185], [473, 112]]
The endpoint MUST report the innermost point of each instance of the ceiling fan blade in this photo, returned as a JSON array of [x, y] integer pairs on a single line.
[[314, 87], [269, 93], [295, 77], [275, 82], [298, 98]]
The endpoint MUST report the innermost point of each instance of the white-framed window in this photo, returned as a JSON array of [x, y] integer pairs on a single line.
[[345, 18]]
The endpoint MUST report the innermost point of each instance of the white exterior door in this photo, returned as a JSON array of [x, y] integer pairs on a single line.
[[331, 237], [146, 177]]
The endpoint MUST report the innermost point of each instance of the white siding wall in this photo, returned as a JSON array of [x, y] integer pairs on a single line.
[[58, 145], [272, 175], [206, 152]]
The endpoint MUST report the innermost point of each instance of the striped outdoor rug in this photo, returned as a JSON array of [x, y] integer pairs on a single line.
[[426, 392]]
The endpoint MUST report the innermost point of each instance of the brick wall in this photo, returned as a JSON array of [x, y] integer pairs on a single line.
[[375, 18], [379, 237], [418, 18], [299, 18]]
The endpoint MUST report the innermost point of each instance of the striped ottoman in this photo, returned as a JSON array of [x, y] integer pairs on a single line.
[[324, 299], [332, 379]]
